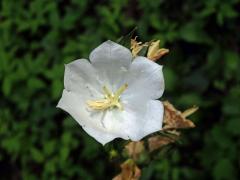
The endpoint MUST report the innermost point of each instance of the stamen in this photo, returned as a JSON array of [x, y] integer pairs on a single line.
[[110, 101], [99, 104], [106, 91], [120, 90]]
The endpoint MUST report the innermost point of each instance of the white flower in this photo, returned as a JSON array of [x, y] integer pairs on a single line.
[[113, 95]]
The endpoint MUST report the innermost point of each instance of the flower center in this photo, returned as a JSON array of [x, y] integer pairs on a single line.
[[110, 100]]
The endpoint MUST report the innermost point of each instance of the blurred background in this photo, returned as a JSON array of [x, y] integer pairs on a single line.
[[37, 37]]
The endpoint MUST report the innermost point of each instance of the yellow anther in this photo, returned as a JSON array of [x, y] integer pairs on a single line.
[[110, 101]]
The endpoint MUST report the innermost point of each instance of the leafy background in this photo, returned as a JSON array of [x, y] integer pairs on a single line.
[[38, 141]]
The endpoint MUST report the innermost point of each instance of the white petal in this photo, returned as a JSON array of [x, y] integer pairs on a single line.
[[111, 61], [111, 53], [100, 136], [145, 79], [153, 118], [91, 122], [80, 77], [136, 122], [113, 122], [74, 105]]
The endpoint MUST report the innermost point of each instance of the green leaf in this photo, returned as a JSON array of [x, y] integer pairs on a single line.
[[231, 60], [233, 126], [193, 32], [170, 79], [64, 153], [49, 147], [35, 83], [57, 87], [37, 155], [7, 85], [224, 169], [11, 144]]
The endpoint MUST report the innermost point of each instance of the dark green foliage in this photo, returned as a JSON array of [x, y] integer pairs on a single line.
[[38, 141]]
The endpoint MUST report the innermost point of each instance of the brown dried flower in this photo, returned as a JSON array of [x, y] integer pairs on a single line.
[[174, 119], [158, 141], [154, 52], [136, 46], [134, 149], [129, 171]]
